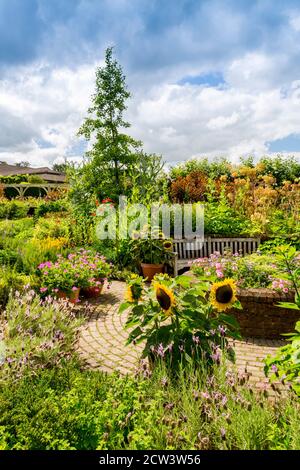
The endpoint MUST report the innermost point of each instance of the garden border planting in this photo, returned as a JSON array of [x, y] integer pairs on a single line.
[[186, 251]]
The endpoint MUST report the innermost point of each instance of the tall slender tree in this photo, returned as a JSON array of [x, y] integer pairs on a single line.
[[113, 151]]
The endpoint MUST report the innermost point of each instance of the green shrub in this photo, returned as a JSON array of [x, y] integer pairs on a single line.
[[13, 209], [221, 219], [51, 206], [10, 282]]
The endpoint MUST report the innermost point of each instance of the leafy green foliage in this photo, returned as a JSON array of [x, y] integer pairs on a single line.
[[221, 219], [285, 365], [12, 281], [92, 410], [212, 169], [282, 169], [177, 322]]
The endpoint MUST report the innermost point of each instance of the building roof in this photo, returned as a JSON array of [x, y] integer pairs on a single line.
[[44, 172]]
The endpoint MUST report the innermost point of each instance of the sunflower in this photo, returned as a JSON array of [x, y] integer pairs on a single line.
[[168, 245], [135, 235], [223, 294], [133, 293], [165, 297]]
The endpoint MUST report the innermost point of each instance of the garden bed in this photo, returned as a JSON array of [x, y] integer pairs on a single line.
[[261, 317]]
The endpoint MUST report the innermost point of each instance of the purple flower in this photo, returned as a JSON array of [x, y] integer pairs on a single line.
[[160, 350], [222, 330], [164, 381], [224, 400], [216, 356], [274, 368]]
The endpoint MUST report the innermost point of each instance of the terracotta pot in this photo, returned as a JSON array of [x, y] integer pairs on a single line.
[[72, 296], [149, 270], [92, 292]]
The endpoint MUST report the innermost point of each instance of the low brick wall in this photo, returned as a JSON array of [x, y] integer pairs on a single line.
[[261, 318]]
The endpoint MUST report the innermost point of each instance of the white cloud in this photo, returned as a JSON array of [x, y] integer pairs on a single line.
[[43, 107], [231, 120], [295, 21], [40, 104]]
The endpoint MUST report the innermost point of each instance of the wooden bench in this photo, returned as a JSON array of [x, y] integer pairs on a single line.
[[186, 251]]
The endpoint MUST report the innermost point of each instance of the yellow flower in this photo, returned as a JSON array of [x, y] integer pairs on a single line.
[[223, 294], [165, 297], [133, 293], [133, 276], [168, 245], [135, 235]]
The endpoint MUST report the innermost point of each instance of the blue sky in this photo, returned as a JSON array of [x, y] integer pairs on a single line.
[[207, 77]]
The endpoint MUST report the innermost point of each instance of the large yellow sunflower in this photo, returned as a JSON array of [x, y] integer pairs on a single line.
[[133, 293], [223, 294], [165, 297]]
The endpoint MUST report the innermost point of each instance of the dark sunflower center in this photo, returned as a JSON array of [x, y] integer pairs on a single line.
[[163, 299], [224, 294]]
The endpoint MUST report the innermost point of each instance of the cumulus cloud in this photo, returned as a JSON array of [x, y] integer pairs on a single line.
[[42, 109], [230, 120]]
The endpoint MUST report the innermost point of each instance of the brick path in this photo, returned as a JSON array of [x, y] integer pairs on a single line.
[[102, 341]]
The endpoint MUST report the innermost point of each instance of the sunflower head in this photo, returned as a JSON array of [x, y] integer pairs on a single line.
[[223, 294], [133, 293], [135, 235], [165, 297], [134, 289], [168, 245]]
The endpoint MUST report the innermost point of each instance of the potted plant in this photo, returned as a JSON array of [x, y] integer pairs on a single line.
[[61, 279], [96, 271], [151, 254]]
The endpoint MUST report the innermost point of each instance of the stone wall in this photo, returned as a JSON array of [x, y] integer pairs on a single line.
[[261, 318]]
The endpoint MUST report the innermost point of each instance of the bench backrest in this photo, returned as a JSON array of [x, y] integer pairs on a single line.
[[195, 249]]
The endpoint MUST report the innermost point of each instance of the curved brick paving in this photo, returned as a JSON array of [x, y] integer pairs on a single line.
[[102, 341]]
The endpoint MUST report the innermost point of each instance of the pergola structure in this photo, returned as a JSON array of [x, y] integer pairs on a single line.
[[21, 189]]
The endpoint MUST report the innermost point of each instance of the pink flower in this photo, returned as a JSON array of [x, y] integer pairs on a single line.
[[74, 288], [285, 290], [43, 289], [219, 274]]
